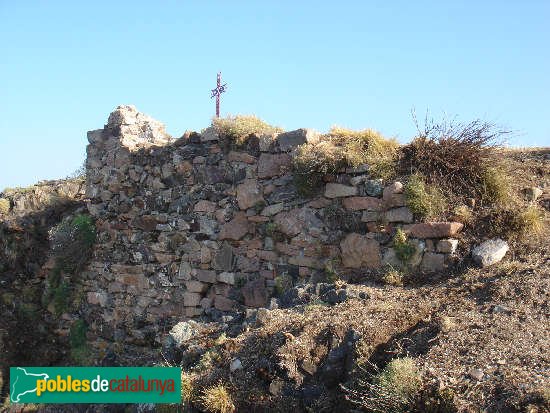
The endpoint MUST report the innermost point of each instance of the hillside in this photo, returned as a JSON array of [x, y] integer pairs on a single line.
[[289, 271]]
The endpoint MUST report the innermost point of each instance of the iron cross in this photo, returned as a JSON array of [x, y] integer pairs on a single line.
[[217, 93]]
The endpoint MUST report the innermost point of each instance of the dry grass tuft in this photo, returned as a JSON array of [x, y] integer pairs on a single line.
[[342, 148], [4, 206], [186, 388], [393, 389], [515, 222], [393, 277], [240, 127], [216, 399]]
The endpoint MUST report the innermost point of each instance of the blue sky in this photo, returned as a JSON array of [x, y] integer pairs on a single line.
[[65, 65]]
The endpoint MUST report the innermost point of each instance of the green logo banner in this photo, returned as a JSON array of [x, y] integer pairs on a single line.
[[95, 384]]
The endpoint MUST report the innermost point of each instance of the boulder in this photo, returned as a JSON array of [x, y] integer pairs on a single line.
[[249, 194], [236, 228], [447, 246], [533, 193], [135, 130], [490, 252], [359, 251], [270, 165], [289, 140]]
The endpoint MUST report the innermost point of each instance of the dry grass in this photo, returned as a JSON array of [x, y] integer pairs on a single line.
[[392, 390], [216, 399], [4, 206], [342, 148], [393, 277], [240, 127], [187, 389]]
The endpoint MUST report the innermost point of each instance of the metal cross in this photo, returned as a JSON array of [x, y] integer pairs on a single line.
[[217, 93]]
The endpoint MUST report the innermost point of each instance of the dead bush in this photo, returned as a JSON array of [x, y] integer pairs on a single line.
[[454, 156]]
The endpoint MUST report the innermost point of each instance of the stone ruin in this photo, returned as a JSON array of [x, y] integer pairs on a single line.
[[197, 226]]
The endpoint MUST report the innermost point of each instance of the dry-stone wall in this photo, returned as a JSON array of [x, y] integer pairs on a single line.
[[197, 225]]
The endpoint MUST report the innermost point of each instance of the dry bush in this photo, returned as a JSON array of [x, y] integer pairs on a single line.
[[457, 157], [342, 148], [216, 399], [240, 127]]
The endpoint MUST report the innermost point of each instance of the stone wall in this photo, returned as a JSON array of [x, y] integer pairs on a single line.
[[197, 226]]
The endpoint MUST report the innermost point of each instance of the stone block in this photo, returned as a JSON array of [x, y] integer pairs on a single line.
[[206, 276], [432, 262], [359, 203], [333, 190], [359, 251], [191, 299]]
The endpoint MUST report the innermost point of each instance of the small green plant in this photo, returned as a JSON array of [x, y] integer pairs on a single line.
[[4, 206], [240, 127], [426, 201], [404, 249], [283, 283], [216, 399], [393, 277], [270, 228]]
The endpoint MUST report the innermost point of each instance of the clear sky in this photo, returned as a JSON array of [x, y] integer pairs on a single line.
[[65, 65]]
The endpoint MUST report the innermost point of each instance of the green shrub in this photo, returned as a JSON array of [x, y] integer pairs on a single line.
[[283, 283], [426, 201], [4, 206], [240, 127], [72, 241], [404, 249], [60, 298], [77, 333], [342, 148]]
